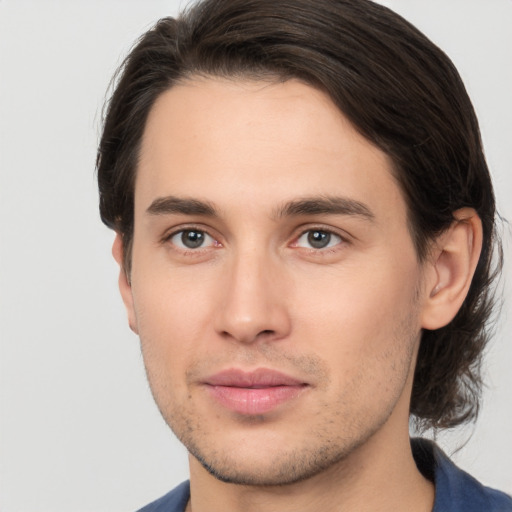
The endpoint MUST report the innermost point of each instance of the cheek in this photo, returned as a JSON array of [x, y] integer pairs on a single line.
[[166, 299], [171, 318], [363, 295], [358, 319], [167, 329]]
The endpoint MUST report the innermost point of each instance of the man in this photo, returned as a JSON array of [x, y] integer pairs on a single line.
[[305, 227]]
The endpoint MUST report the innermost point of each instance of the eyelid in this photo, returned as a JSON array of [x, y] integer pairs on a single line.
[[172, 232], [304, 229], [344, 237]]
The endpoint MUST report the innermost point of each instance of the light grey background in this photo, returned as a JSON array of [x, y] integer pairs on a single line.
[[78, 428]]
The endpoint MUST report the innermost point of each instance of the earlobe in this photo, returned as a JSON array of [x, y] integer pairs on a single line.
[[124, 284], [453, 264]]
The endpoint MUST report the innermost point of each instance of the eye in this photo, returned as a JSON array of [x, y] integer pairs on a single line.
[[318, 239], [192, 239]]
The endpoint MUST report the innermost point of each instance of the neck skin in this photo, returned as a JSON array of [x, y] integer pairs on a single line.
[[379, 475]]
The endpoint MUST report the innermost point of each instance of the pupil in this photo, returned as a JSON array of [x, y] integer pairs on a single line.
[[192, 239], [319, 239]]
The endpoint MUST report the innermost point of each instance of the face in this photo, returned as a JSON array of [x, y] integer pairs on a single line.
[[274, 283]]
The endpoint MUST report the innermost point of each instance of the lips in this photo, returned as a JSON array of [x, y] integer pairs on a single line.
[[255, 392]]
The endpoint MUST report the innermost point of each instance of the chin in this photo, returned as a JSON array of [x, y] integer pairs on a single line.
[[271, 467]]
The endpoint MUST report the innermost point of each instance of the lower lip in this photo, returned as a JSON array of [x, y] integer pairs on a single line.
[[252, 401]]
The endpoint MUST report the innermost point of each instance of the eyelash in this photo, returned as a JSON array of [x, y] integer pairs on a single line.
[[342, 240], [167, 239], [320, 250]]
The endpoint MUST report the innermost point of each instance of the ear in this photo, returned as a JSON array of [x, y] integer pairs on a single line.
[[454, 260], [124, 283]]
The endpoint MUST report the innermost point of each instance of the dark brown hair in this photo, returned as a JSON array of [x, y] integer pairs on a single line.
[[398, 89]]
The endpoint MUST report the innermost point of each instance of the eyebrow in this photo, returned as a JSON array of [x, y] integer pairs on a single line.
[[325, 205], [184, 206], [321, 205]]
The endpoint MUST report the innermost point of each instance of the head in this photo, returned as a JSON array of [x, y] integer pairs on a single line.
[[398, 99]]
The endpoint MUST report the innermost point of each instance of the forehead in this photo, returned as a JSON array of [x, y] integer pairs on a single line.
[[225, 141]]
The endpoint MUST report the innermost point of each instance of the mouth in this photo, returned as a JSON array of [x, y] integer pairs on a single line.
[[253, 393]]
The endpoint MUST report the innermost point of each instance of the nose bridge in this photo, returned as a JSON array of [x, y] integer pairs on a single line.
[[253, 305]]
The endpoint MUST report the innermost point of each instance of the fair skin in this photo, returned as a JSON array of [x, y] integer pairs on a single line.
[[280, 301]]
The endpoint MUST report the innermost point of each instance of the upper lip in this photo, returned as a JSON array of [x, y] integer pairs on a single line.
[[259, 378]]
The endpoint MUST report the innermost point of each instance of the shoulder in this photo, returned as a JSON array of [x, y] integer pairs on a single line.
[[174, 501], [456, 490]]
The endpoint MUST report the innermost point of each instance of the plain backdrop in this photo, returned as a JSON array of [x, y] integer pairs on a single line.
[[78, 428]]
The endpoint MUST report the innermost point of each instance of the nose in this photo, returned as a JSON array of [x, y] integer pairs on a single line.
[[252, 304]]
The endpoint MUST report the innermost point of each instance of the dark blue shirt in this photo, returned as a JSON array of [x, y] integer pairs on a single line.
[[456, 491]]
